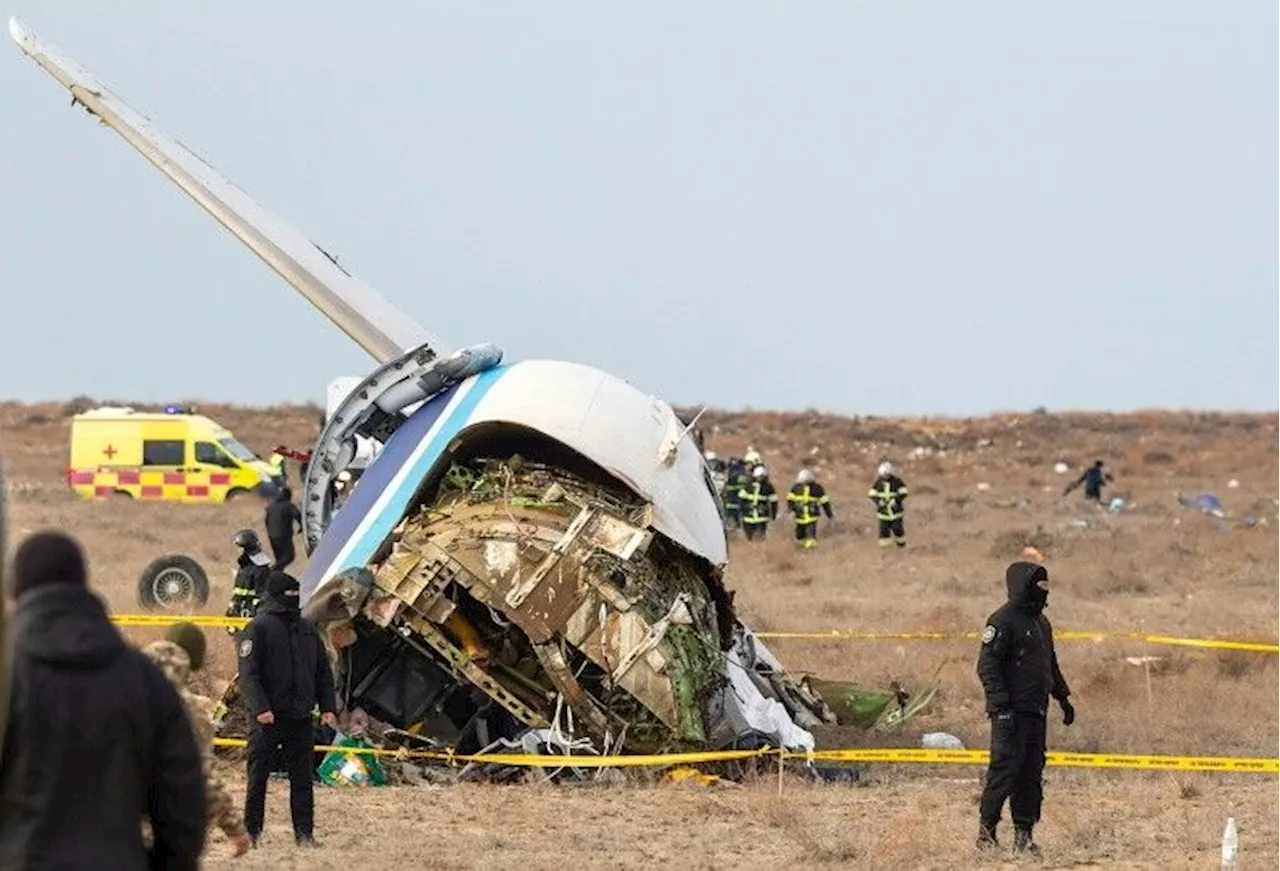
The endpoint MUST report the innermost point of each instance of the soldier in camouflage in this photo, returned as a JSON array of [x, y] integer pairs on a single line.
[[178, 655]]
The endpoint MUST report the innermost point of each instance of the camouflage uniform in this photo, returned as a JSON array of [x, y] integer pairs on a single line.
[[175, 663]]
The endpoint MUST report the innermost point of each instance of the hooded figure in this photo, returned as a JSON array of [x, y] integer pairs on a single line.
[[284, 676], [1018, 667], [97, 736]]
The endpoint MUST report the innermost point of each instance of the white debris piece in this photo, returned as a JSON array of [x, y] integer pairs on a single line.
[[1233, 484], [984, 486], [941, 741], [1061, 468]]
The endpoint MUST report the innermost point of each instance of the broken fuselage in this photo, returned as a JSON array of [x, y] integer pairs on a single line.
[[548, 535]]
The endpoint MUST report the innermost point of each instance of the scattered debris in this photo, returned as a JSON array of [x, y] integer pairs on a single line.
[[941, 741], [343, 768], [1061, 468], [1205, 503], [685, 774], [1117, 504]]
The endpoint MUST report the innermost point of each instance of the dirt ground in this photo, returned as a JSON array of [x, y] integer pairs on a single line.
[[981, 490]]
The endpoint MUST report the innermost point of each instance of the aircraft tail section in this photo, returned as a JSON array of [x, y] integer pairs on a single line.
[[373, 322]]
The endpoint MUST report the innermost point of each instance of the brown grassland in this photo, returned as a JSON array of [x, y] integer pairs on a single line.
[[1156, 567]]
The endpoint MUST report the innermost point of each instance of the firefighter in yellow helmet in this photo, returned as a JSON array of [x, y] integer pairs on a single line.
[[759, 504], [889, 494], [807, 501]]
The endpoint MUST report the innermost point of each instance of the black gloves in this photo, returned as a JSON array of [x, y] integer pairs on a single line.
[[1068, 712]]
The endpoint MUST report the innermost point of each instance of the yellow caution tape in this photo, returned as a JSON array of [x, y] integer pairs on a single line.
[[863, 754], [1056, 758], [831, 635], [170, 619], [1209, 643]]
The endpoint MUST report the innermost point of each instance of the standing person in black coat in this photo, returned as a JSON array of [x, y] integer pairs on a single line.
[[1018, 667], [282, 518], [97, 738], [284, 675]]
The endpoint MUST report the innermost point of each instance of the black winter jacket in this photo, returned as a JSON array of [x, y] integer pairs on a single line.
[[97, 741], [283, 664], [282, 517], [1017, 664]]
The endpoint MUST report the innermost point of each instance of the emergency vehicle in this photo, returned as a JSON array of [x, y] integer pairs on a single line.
[[173, 456]]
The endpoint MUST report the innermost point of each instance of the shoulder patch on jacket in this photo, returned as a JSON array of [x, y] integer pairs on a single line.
[[246, 648], [988, 634]]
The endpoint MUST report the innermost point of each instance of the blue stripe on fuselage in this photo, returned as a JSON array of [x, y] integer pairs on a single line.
[[382, 491]]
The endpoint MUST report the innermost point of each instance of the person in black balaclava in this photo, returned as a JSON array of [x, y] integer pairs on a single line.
[[1019, 671], [284, 675]]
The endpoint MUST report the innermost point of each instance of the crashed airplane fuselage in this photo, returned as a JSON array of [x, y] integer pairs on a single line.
[[535, 545]]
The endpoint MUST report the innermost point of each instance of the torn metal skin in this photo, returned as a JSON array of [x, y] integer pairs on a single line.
[[528, 584]]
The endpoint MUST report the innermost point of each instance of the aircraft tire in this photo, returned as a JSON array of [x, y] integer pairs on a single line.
[[172, 582]]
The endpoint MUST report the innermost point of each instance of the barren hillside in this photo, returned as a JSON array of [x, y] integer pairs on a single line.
[[981, 490]]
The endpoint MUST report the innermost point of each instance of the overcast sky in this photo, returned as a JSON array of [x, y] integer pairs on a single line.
[[863, 207]]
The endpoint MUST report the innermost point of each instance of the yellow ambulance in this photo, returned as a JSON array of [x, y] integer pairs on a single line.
[[172, 456]]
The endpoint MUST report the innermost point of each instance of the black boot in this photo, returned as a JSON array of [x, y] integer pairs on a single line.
[[1023, 844], [987, 837]]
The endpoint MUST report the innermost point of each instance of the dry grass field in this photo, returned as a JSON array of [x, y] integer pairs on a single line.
[[1156, 567]]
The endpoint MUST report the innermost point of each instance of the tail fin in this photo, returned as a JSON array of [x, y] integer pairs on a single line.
[[374, 323]]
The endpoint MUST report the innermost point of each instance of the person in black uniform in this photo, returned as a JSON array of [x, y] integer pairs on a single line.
[[284, 674], [889, 495], [1093, 479], [252, 570], [759, 504], [1019, 671], [736, 478], [808, 500], [282, 517]]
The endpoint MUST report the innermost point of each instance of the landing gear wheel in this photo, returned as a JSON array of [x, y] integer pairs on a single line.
[[172, 582]]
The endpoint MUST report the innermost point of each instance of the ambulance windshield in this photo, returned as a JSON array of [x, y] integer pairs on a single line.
[[237, 450]]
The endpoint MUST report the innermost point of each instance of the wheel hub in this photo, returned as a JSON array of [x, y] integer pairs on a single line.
[[173, 585]]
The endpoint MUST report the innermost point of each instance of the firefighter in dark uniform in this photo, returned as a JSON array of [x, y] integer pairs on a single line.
[[889, 494], [1093, 479], [253, 567], [807, 500], [284, 675], [759, 504], [736, 478], [1018, 667]]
